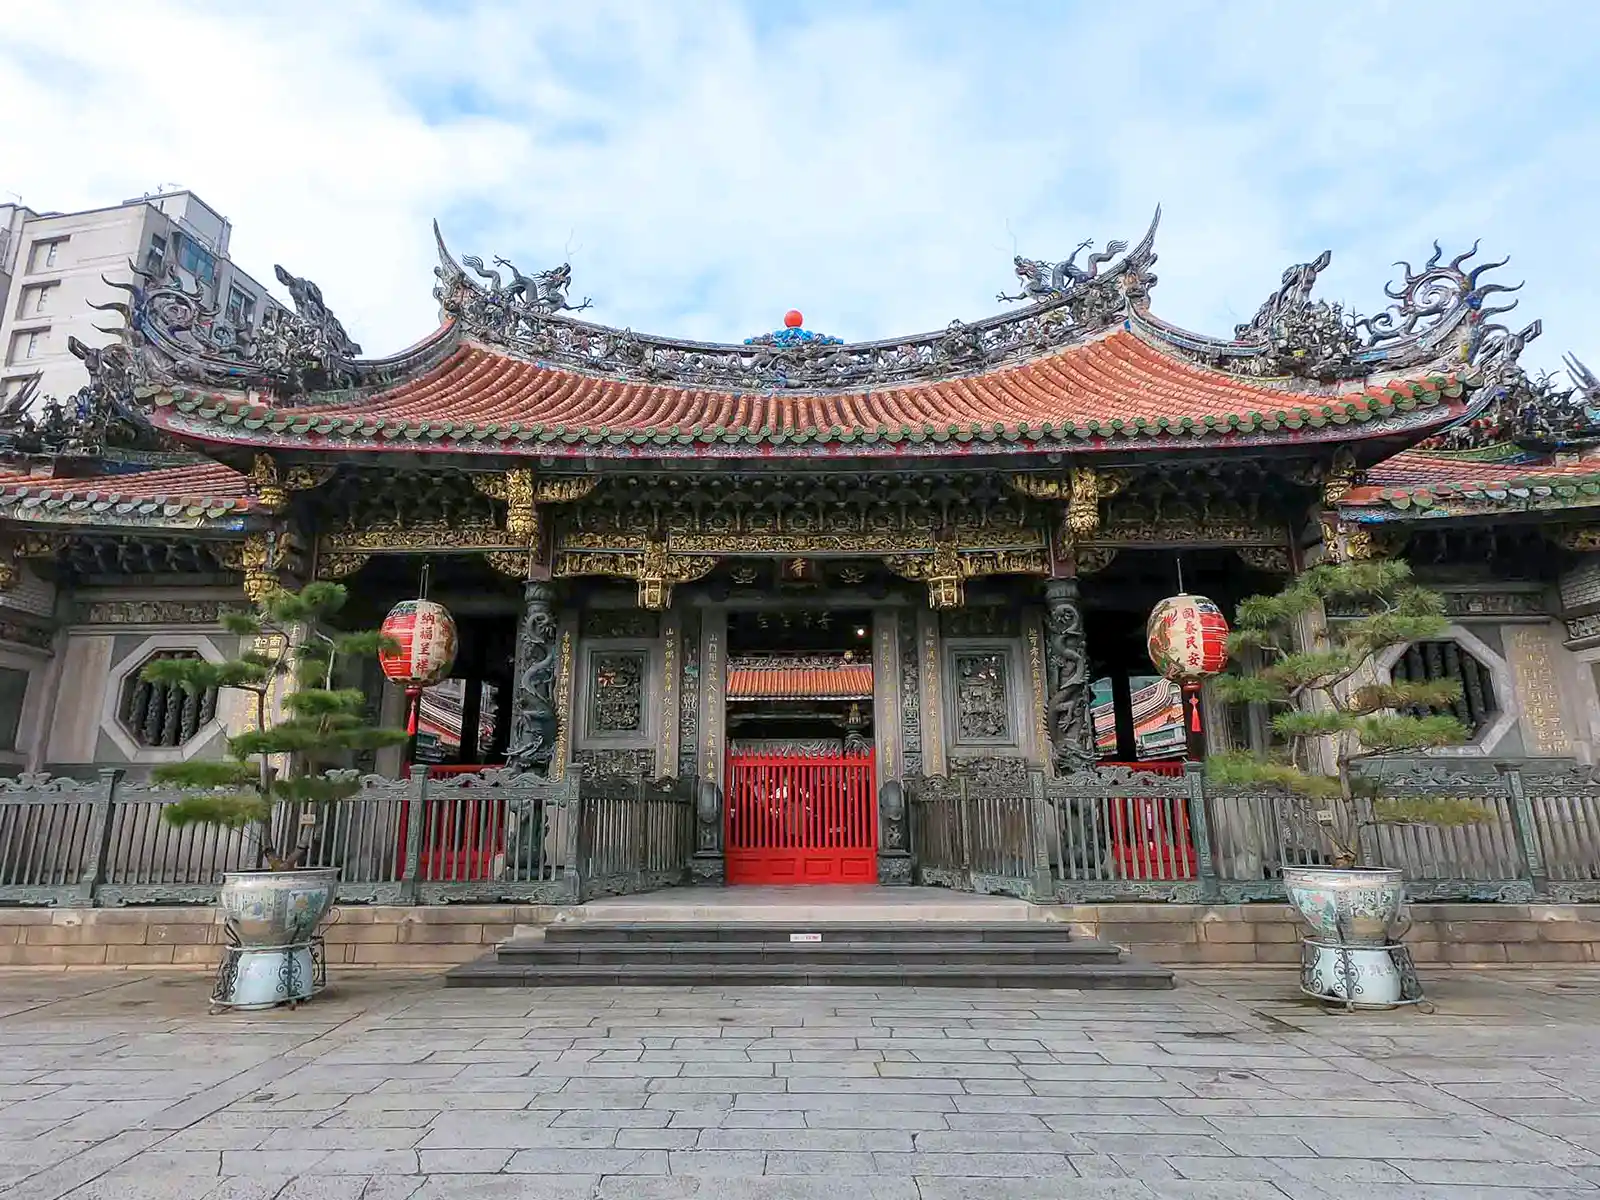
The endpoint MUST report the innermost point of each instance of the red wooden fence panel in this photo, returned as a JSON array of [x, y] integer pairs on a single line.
[[801, 820]]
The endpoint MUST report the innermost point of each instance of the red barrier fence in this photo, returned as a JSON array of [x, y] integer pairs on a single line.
[[801, 820]]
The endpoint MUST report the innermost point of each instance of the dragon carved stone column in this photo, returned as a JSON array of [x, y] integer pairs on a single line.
[[533, 707], [1067, 660]]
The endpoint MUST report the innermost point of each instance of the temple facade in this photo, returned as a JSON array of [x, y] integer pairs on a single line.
[[796, 566]]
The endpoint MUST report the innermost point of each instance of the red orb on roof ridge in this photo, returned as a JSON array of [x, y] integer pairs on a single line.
[[792, 319]]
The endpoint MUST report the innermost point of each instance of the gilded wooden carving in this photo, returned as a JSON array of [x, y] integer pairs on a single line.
[[273, 484], [1266, 558], [1089, 487], [264, 558], [1043, 487], [341, 564], [563, 489], [1341, 477], [513, 563], [656, 569], [947, 569], [269, 487]]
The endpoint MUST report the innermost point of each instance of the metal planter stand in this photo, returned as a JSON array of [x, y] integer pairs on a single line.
[[258, 977], [1349, 983]]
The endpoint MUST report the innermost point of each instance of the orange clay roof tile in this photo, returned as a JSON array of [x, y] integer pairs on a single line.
[[1116, 386]]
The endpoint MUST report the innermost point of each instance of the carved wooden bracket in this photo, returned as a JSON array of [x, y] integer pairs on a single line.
[[273, 485], [657, 570], [523, 493], [1083, 488], [1583, 538], [1089, 487], [1343, 541], [265, 558], [948, 568]]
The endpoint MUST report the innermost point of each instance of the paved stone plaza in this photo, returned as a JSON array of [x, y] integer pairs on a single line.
[[117, 1085]]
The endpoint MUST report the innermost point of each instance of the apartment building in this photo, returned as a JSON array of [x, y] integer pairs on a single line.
[[53, 267]]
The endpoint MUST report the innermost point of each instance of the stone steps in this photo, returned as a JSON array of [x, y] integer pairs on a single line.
[[897, 954], [901, 933]]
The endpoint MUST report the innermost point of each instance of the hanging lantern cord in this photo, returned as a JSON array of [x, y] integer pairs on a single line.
[[422, 589], [1178, 558]]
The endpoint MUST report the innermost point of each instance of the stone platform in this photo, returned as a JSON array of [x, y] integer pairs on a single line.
[[442, 936], [852, 905]]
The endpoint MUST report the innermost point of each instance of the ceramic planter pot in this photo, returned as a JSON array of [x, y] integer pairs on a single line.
[[1355, 907], [1360, 974], [271, 917], [276, 908]]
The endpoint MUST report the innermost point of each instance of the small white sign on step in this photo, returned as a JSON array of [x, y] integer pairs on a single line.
[[805, 937]]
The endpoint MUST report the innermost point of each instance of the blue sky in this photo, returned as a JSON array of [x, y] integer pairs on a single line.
[[707, 165]]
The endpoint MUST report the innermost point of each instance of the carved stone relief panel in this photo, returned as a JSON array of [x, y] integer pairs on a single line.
[[615, 764], [616, 692], [980, 696]]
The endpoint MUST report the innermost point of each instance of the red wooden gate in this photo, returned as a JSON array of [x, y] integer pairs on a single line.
[[801, 820]]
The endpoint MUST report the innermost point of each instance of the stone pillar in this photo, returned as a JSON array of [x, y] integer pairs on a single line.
[[894, 859], [533, 705], [1067, 661], [708, 865]]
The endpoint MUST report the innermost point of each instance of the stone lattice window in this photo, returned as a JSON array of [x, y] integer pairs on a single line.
[[1428, 661], [163, 715], [616, 692], [983, 711]]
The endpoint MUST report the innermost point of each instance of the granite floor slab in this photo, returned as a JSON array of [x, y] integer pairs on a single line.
[[389, 1087]]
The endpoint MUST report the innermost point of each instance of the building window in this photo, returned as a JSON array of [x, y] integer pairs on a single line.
[[37, 300], [981, 691], [241, 307], [197, 260], [28, 344], [616, 692], [163, 715], [1424, 662], [155, 258], [13, 687], [46, 255]]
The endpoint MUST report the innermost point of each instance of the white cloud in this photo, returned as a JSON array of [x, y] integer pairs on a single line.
[[707, 166]]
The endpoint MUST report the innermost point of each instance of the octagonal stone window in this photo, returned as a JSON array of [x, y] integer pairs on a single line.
[[163, 715], [1428, 661]]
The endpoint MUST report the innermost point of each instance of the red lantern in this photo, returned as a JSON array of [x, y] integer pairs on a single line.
[[1187, 637], [425, 633]]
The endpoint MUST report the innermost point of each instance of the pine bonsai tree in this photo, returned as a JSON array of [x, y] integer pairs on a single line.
[[1320, 706], [324, 723]]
